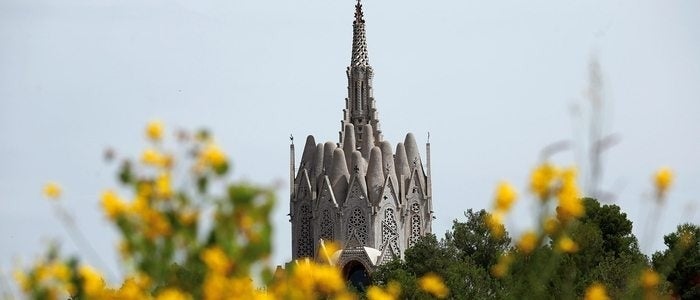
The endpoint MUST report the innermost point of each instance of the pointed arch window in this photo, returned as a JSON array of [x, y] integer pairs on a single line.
[[305, 244], [326, 226], [390, 231], [415, 224]]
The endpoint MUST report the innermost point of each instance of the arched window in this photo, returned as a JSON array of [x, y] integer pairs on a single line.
[[305, 244], [390, 231], [415, 224], [326, 226]]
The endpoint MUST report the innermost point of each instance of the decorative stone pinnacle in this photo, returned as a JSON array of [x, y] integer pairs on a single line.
[[360, 57]]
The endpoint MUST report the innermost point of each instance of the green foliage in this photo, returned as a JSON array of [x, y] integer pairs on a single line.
[[607, 254], [474, 241], [453, 258], [680, 262]]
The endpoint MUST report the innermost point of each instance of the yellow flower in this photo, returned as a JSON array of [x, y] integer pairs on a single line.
[[505, 196], [163, 187], [212, 156], [596, 292], [567, 245], [550, 226], [22, 280], [394, 289], [500, 269], [140, 206], [152, 157], [154, 130], [172, 294], [433, 284], [528, 242], [134, 288], [328, 279], [327, 250], [377, 293], [59, 271], [112, 205], [650, 279], [494, 221], [188, 217], [663, 179], [214, 286], [216, 260], [541, 180], [93, 283], [52, 190], [156, 224], [570, 204]]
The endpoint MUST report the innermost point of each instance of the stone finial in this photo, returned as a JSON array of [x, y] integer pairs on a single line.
[[340, 167], [375, 175], [349, 143], [401, 162], [388, 161], [412, 152], [339, 175], [318, 162], [358, 163], [328, 149], [367, 141]]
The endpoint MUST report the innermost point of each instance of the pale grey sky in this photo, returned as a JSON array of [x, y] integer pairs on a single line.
[[492, 81]]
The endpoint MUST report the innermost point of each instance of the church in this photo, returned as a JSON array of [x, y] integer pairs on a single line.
[[373, 199]]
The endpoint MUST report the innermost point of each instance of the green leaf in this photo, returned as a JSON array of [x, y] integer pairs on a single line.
[[202, 184]]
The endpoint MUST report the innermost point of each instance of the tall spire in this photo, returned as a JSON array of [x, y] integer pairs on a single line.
[[359, 41], [360, 109]]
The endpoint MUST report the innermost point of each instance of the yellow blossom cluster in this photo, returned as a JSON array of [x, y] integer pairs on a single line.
[[566, 244], [51, 277], [154, 130], [500, 269], [596, 292], [528, 242], [662, 181], [154, 158], [570, 205], [52, 190], [504, 198], [548, 180], [140, 212], [391, 292], [432, 284], [494, 221], [211, 157], [542, 180], [650, 279]]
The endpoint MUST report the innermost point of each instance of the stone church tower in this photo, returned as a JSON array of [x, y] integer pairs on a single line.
[[373, 199]]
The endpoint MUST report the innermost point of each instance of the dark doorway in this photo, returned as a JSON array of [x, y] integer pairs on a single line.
[[357, 274]]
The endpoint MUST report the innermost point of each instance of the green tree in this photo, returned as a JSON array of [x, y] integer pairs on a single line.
[[608, 251], [473, 240], [462, 259], [680, 262]]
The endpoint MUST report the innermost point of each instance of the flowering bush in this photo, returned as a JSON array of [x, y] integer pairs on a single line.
[[206, 238]]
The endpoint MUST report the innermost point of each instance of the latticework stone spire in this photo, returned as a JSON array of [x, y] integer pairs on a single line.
[[360, 109], [360, 58]]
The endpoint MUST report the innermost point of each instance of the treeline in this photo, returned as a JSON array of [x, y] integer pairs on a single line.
[[604, 262]]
